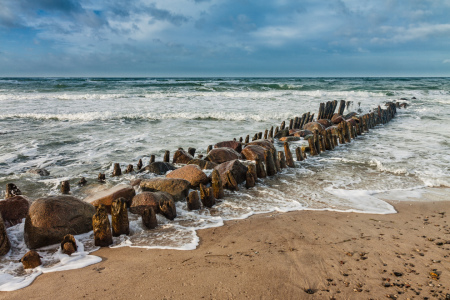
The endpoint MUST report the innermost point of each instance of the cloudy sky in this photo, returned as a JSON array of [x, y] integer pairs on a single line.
[[225, 38]]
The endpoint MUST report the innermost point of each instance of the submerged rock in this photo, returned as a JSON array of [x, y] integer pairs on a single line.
[[40, 172], [159, 167], [31, 260], [237, 170], [178, 188], [14, 209], [69, 245]]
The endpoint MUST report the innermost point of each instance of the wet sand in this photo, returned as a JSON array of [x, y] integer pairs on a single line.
[[296, 255]]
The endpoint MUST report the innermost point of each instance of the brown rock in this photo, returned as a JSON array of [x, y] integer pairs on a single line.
[[117, 171], [149, 218], [65, 187], [14, 209], [251, 176], [303, 133], [108, 196], [129, 169], [147, 199], [203, 164], [191, 173], [336, 119], [31, 260], [251, 152], [181, 157], [281, 133], [237, 169], [159, 168], [50, 219], [178, 188], [193, 201], [102, 227], [270, 164], [82, 181], [68, 244], [221, 155], [207, 196], [5, 245], [312, 126], [235, 145], [325, 122], [12, 190], [260, 170], [101, 177], [217, 185], [119, 217], [135, 182], [290, 139], [266, 144]]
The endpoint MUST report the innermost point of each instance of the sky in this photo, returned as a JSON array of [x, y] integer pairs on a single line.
[[179, 38]]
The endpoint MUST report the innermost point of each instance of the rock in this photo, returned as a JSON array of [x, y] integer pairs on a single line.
[[82, 181], [147, 199], [266, 144], [51, 218], [69, 244], [281, 133], [293, 131], [251, 176], [65, 187], [119, 217], [117, 171], [31, 260], [217, 185], [178, 188], [237, 169], [5, 245], [290, 139], [12, 190], [207, 197], [230, 182], [260, 170], [191, 173], [235, 145], [167, 208], [181, 157], [349, 115], [14, 209], [149, 218], [106, 197], [351, 121], [270, 164], [251, 152], [336, 119], [40, 172], [102, 228], [325, 122], [135, 182], [193, 201], [221, 155], [203, 164], [159, 167], [303, 133], [312, 126]]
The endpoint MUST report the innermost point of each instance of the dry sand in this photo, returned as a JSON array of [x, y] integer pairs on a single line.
[[296, 255]]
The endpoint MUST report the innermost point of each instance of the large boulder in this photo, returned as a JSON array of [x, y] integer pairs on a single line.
[[14, 209], [266, 144], [352, 121], [177, 188], [281, 133], [203, 164], [106, 197], [303, 133], [181, 157], [325, 122], [148, 199], [333, 129], [159, 168], [221, 155], [50, 219], [336, 119], [236, 168], [312, 126], [235, 145], [191, 173], [5, 245], [252, 152]]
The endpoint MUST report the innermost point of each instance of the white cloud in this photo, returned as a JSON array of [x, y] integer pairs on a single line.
[[446, 61]]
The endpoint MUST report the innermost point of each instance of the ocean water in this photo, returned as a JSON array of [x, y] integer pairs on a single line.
[[78, 127]]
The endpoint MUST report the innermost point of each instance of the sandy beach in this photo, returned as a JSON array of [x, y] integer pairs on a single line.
[[296, 255]]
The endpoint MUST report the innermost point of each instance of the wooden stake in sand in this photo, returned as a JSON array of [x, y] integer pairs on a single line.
[[102, 227], [166, 156], [139, 164], [149, 218], [207, 197], [191, 151], [217, 185], [119, 217], [289, 159], [193, 201], [260, 170], [117, 171], [152, 159], [282, 160], [270, 165], [299, 154], [251, 176]]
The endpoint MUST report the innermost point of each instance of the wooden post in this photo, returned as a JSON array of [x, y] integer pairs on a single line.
[[255, 137], [129, 169], [260, 170], [321, 111], [119, 217], [247, 139], [270, 164], [312, 146], [283, 125], [149, 218], [152, 159], [289, 159], [193, 201], [217, 185], [296, 122], [241, 139], [209, 148], [166, 156], [207, 196], [65, 187], [341, 107], [102, 227], [291, 124], [12, 190], [251, 176], [117, 171], [139, 164], [276, 161], [231, 182], [266, 134], [311, 118], [299, 154], [271, 132], [191, 151], [82, 182], [276, 131], [282, 160], [260, 134], [317, 141], [101, 177]]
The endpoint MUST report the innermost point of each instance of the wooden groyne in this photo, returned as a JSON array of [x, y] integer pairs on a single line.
[[232, 162]]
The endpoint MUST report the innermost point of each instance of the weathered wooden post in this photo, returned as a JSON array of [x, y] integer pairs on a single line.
[[152, 159], [321, 111], [271, 132], [230, 182], [341, 107], [250, 177], [149, 218], [282, 160], [247, 139], [12, 190], [117, 171], [260, 170], [217, 185], [68, 244], [312, 146], [291, 124], [276, 131], [270, 164], [296, 122], [289, 159], [65, 187], [241, 139], [207, 197], [260, 135], [166, 156], [119, 217], [102, 227], [193, 201], [209, 148], [255, 137], [101, 177], [299, 154], [139, 164], [276, 161], [266, 134], [283, 125], [317, 141], [191, 151], [82, 181], [129, 169], [327, 141]]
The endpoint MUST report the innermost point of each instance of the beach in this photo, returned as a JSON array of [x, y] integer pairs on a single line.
[[294, 255]]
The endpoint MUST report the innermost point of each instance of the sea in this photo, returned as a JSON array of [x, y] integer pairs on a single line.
[[80, 127]]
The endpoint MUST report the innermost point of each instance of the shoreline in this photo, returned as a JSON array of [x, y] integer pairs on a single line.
[[293, 255]]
